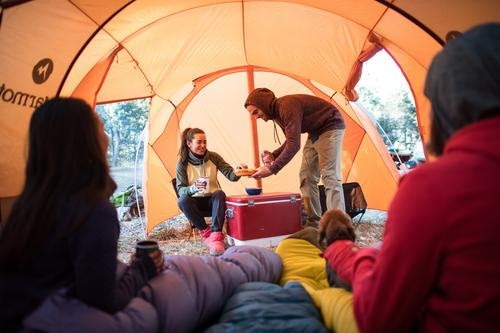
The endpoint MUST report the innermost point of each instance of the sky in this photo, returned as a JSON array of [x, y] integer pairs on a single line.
[[382, 75]]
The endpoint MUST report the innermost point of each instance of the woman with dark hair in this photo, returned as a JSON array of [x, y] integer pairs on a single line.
[[62, 231], [199, 189], [436, 270]]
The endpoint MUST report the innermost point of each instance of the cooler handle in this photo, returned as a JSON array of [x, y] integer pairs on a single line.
[[230, 212]]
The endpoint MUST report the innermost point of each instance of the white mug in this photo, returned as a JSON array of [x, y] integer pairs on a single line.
[[203, 185]]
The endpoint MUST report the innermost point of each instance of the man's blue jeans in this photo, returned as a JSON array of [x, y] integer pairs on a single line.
[[322, 158]]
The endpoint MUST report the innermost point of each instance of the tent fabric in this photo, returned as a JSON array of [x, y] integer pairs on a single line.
[[373, 47], [218, 121], [197, 60]]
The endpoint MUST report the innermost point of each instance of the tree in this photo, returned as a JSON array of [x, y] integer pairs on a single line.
[[123, 123], [409, 121], [395, 117]]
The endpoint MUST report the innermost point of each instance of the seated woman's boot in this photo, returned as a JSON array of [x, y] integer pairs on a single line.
[[215, 243]]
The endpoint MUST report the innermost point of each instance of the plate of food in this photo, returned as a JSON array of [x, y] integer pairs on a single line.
[[240, 172]]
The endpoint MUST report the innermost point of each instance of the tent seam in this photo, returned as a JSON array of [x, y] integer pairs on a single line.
[[411, 18], [87, 42], [243, 30]]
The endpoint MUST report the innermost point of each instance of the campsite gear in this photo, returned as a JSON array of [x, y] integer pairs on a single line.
[[258, 307], [355, 202], [128, 203], [262, 219], [120, 198], [189, 297], [143, 247], [298, 251], [122, 209]]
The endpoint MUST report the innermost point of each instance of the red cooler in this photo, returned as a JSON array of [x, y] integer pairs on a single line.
[[262, 219]]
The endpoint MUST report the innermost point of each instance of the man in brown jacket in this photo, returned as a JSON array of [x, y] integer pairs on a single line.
[[322, 153]]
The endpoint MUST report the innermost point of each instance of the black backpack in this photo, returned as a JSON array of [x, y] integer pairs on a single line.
[[355, 202]]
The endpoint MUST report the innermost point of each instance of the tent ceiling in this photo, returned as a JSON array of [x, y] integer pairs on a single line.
[[166, 45], [169, 44]]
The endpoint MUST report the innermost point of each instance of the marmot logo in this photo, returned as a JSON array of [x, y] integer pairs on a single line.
[[42, 70]]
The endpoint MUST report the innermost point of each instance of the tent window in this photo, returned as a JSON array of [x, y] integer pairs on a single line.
[[385, 94], [124, 123]]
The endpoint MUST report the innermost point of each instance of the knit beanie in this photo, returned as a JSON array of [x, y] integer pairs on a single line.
[[463, 82], [263, 99]]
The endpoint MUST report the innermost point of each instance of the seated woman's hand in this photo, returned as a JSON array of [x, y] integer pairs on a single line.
[[194, 188]]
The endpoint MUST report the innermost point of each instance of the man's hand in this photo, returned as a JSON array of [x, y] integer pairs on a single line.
[[262, 172], [267, 158]]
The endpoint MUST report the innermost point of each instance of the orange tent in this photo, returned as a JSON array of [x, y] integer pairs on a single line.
[[198, 59]]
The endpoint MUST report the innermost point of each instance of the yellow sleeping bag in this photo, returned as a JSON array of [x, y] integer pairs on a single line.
[[302, 262]]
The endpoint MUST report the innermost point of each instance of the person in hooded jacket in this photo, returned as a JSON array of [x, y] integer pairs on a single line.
[[196, 168], [436, 270], [322, 153]]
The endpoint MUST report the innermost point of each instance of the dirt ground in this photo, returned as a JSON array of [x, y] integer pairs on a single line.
[[176, 237]]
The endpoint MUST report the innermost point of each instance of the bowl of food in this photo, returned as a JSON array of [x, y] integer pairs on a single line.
[[253, 190]]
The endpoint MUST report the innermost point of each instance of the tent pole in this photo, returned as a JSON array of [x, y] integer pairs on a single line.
[[253, 125]]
